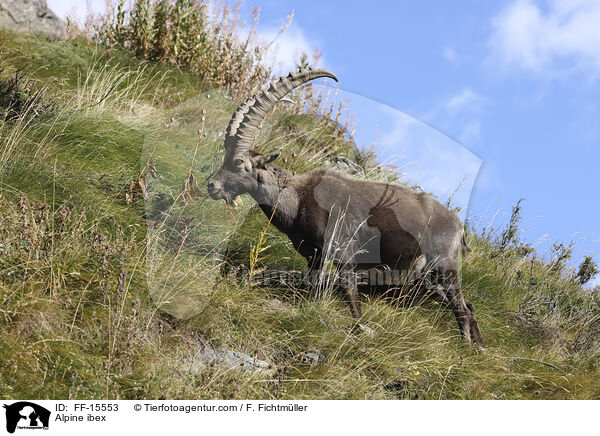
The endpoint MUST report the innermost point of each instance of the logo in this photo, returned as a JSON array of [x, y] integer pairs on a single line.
[[26, 415]]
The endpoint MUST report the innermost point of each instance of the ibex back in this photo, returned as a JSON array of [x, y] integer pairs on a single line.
[[358, 225]]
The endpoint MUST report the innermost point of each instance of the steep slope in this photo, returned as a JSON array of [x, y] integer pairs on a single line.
[[114, 266]]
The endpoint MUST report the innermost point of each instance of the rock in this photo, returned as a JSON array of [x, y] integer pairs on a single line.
[[365, 329], [32, 16], [313, 358], [274, 305], [209, 356]]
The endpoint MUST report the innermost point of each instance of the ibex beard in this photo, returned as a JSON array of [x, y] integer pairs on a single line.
[[355, 224]]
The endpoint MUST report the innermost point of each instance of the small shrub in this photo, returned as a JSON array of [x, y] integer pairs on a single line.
[[182, 33], [19, 99], [510, 234], [587, 270], [561, 254], [509, 242]]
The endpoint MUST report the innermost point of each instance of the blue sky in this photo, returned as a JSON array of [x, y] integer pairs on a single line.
[[445, 86]]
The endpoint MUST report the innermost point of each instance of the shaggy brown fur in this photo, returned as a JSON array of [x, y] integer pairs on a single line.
[[358, 225]]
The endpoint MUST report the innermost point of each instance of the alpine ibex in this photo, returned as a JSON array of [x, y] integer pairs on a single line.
[[358, 225]]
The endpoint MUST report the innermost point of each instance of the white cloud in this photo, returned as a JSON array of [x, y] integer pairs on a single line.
[[288, 47], [556, 37], [463, 110], [465, 101], [459, 115]]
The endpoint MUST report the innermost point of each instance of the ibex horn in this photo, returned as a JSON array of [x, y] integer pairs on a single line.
[[248, 117]]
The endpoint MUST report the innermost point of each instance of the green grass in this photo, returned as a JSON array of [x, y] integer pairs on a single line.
[[104, 294]]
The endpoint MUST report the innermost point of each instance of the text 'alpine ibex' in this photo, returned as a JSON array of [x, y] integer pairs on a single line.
[[358, 225]]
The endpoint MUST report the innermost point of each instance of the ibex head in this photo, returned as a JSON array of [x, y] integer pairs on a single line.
[[243, 170]]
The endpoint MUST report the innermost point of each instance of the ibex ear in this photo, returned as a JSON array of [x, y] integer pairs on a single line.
[[261, 160]]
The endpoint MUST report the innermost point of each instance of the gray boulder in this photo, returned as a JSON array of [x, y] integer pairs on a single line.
[[207, 356], [32, 16], [313, 358]]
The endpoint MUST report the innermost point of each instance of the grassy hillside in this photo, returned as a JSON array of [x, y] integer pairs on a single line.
[[113, 263]]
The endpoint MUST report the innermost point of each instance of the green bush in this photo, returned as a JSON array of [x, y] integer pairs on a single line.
[[587, 270], [19, 99], [181, 33]]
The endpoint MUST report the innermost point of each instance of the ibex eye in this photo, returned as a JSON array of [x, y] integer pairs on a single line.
[[238, 161]]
